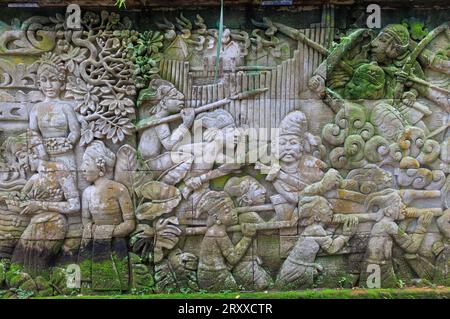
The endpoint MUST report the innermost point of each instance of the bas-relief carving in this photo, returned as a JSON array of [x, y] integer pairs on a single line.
[[349, 169]]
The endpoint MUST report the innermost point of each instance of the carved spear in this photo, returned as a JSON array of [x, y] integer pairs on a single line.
[[150, 122]]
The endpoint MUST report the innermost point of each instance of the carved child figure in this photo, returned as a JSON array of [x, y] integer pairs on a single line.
[[299, 269], [386, 231], [108, 218], [51, 199], [247, 191], [14, 173], [217, 252]]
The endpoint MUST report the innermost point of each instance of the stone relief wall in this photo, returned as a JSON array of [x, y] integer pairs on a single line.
[[293, 159]]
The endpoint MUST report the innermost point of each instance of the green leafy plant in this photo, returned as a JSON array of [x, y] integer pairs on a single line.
[[144, 51], [120, 4], [23, 294]]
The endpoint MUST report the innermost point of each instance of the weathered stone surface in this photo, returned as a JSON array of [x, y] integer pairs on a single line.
[[171, 155]]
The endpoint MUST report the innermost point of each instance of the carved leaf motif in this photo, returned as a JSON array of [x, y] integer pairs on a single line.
[[126, 164], [164, 198], [167, 235]]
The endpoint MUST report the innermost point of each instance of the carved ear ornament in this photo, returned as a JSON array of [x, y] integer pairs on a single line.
[[101, 164]]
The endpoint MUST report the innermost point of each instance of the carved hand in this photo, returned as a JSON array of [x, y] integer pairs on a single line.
[[350, 226], [248, 230], [32, 207], [425, 219], [188, 115], [194, 182], [403, 78]]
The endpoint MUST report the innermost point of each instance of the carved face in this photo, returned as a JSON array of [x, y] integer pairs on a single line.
[[226, 36], [174, 101], [397, 208], [324, 211], [22, 158], [36, 154], [291, 148], [227, 215], [382, 49], [360, 88], [256, 194], [90, 169], [50, 83]]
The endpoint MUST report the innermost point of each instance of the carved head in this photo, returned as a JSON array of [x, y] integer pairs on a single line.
[[15, 150], [391, 42], [294, 139], [51, 75], [220, 127], [98, 161], [389, 201], [162, 95], [219, 207], [367, 83], [247, 191], [314, 209], [36, 150], [226, 36]]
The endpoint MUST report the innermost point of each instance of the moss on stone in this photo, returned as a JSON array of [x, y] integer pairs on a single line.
[[406, 293]]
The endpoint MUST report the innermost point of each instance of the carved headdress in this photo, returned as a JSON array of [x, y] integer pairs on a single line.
[[51, 61], [157, 91], [217, 119], [103, 156], [314, 209], [400, 35], [295, 123], [372, 73], [211, 203], [239, 186]]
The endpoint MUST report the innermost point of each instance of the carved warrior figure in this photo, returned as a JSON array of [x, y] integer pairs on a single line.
[[216, 250], [249, 272], [108, 219], [158, 145], [54, 119], [220, 137], [299, 269], [386, 231], [367, 83], [52, 202], [297, 168]]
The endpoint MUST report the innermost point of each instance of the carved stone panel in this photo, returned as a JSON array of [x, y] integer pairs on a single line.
[[172, 154]]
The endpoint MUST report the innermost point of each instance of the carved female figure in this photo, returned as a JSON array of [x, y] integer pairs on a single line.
[[217, 252], [108, 219], [54, 119], [51, 197]]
